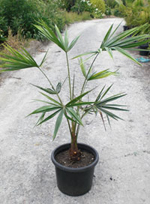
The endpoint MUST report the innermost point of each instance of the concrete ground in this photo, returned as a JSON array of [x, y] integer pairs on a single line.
[[122, 176]]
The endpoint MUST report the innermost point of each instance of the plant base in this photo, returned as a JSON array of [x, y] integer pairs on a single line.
[[74, 181]]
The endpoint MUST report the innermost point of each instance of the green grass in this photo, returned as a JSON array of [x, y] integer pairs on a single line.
[[72, 17]]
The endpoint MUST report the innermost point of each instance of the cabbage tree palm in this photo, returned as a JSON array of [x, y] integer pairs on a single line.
[[76, 108]]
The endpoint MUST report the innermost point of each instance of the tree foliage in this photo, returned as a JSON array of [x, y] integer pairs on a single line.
[[100, 4], [20, 15], [68, 4]]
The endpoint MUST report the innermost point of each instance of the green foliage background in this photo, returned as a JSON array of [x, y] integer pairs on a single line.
[[20, 15], [100, 4], [135, 12]]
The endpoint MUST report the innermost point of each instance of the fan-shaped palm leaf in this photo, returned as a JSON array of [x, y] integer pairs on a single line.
[[17, 60], [57, 38]]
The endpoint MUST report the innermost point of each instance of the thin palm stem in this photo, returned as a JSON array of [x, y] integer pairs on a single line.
[[69, 77], [82, 90], [69, 128], [78, 126], [85, 81], [50, 83]]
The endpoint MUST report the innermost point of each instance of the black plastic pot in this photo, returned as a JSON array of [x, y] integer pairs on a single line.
[[74, 181], [125, 27], [144, 52]]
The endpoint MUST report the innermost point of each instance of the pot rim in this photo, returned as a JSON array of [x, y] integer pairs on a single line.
[[70, 169]]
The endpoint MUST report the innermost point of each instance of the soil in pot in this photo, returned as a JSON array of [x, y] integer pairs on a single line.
[[86, 159]]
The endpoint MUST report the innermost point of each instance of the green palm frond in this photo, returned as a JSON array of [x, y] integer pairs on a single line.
[[74, 115], [78, 98], [58, 123], [51, 99], [102, 74], [49, 90], [43, 120], [45, 109], [82, 66], [104, 106], [127, 40], [17, 60], [124, 41], [48, 33], [57, 38], [53, 109]]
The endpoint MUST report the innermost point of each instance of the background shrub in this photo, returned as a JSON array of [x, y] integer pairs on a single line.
[[20, 16], [67, 4], [110, 3], [135, 12], [108, 11], [99, 4], [81, 6], [71, 17]]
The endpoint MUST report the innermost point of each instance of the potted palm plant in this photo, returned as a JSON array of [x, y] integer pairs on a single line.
[[75, 162]]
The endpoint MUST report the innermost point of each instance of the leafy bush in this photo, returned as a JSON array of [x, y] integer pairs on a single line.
[[135, 12], [3, 26], [21, 15], [138, 16], [117, 12], [3, 23], [110, 3], [16, 13], [108, 11], [71, 17], [82, 5], [15, 41], [2, 38], [99, 4], [86, 6], [65, 4]]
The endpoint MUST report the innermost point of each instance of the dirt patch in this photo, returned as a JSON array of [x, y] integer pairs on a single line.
[[36, 47]]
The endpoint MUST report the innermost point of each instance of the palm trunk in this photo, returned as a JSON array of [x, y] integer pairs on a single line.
[[74, 152]]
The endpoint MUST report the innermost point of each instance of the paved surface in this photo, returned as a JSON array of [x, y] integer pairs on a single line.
[[122, 176]]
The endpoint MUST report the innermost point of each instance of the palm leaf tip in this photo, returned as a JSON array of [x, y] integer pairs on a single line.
[[50, 35], [121, 42], [42, 119], [110, 114], [73, 43], [105, 106], [17, 60], [82, 66], [58, 123], [74, 115], [56, 36], [102, 74]]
